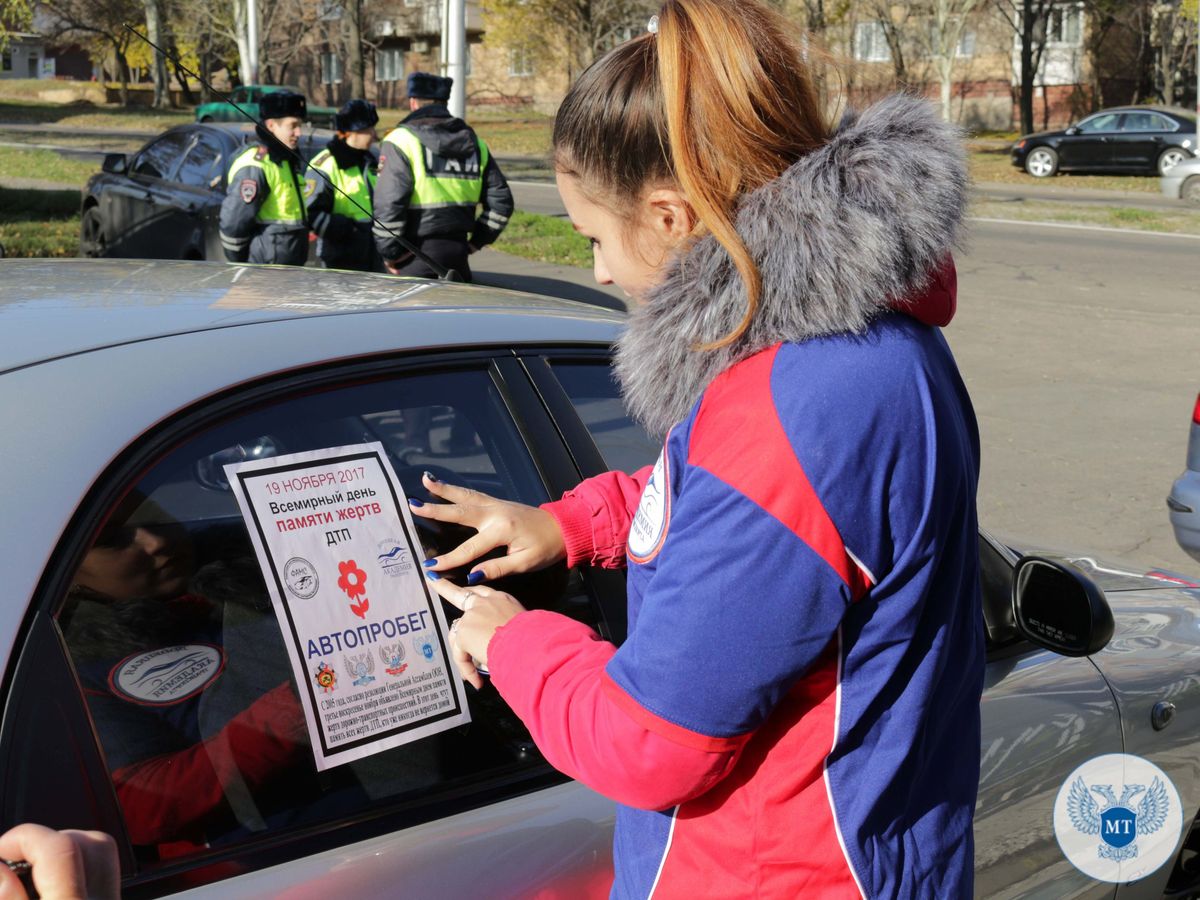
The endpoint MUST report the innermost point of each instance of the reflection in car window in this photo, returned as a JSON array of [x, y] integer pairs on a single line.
[[159, 158], [218, 752], [202, 163], [623, 443], [1105, 122]]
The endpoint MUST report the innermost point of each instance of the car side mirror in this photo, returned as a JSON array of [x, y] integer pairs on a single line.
[[115, 163], [1058, 607], [1074, 129]]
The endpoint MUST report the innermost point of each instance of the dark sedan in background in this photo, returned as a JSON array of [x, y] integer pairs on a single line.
[[1146, 139], [163, 202]]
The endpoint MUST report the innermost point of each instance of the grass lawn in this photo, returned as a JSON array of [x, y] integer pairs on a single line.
[[46, 165], [1182, 221], [996, 166], [39, 223], [545, 239]]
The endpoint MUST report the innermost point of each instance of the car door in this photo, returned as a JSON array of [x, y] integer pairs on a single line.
[[1043, 714], [1140, 141], [203, 773], [141, 201], [200, 186], [1091, 146], [239, 97]]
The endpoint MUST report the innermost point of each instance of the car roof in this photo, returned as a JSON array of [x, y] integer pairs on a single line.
[[1176, 111], [50, 309]]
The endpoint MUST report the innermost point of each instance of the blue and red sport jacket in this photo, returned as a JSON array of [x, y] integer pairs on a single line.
[[795, 711]]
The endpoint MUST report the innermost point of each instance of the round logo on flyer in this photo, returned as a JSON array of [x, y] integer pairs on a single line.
[[168, 675], [649, 527], [393, 559], [1118, 818], [300, 578]]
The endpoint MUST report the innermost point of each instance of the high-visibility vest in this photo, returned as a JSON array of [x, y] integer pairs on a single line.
[[282, 205], [352, 181], [434, 190]]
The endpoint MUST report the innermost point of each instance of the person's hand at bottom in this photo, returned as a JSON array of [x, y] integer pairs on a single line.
[[66, 865], [484, 611]]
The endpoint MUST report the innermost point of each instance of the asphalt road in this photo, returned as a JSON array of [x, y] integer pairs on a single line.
[[1080, 350]]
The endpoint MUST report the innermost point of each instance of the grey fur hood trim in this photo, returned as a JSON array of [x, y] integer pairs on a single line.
[[861, 220]]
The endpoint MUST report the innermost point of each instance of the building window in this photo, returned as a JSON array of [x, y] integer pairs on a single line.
[[1064, 25], [870, 43], [331, 68], [966, 45], [520, 62], [389, 64], [6, 61]]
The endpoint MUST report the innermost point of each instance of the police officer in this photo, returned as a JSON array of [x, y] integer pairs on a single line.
[[348, 165], [263, 215], [433, 172]]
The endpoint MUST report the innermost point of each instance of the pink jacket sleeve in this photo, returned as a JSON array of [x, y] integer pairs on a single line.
[[550, 671], [594, 517]]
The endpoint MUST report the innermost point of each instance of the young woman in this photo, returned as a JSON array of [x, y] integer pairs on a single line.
[[795, 711]]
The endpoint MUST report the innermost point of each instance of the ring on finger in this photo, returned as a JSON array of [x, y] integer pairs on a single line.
[[467, 600]]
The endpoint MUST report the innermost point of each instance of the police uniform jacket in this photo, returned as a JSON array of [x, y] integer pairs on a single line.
[[433, 173], [263, 214], [337, 173]]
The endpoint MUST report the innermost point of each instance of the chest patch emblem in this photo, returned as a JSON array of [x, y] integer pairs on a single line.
[[248, 190], [168, 675], [653, 516]]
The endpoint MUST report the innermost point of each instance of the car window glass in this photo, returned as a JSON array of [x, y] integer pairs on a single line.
[[238, 96], [159, 158], [201, 164], [623, 443], [1140, 121], [226, 757], [1106, 122]]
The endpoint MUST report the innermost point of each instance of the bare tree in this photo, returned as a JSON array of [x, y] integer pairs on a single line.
[[947, 23], [159, 35], [100, 26], [1028, 19], [1173, 35]]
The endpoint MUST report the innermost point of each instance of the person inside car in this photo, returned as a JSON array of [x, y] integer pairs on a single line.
[[263, 217], [795, 709]]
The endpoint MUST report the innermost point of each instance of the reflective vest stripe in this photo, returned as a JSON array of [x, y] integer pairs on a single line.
[[353, 182], [438, 190], [282, 205]]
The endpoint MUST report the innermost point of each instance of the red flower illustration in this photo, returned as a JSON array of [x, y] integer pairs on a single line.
[[352, 580]]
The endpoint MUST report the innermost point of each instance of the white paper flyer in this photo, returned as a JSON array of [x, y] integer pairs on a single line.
[[365, 635]]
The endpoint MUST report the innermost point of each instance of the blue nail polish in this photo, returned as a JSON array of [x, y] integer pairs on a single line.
[[475, 577], [432, 576], [431, 476], [413, 501], [429, 563]]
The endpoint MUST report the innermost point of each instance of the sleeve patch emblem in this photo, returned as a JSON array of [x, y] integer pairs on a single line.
[[310, 185], [248, 190]]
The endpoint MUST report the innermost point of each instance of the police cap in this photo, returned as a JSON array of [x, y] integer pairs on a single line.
[[356, 115], [423, 86], [281, 104]]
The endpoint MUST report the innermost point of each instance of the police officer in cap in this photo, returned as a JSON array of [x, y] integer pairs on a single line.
[[345, 169], [263, 216], [433, 173]]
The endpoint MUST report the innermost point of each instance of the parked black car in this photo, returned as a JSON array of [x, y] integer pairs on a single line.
[[163, 202], [1146, 139]]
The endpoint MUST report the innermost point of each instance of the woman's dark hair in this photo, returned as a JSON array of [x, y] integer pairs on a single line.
[[719, 102]]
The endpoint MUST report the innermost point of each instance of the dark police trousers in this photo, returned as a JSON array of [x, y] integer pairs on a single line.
[[449, 250]]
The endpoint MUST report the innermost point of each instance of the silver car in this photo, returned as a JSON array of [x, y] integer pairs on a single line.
[[1182, 182], [128, 386], [1184, 499]]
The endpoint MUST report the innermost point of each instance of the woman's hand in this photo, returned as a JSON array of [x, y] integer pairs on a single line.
[[531, 535], [484, 610], [66, 865]]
